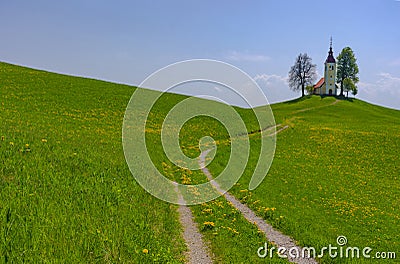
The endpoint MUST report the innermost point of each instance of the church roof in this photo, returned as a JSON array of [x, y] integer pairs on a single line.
[[330, 58], [319, 83]]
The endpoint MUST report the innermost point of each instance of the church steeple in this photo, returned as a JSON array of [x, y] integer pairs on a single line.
[[330, 58]]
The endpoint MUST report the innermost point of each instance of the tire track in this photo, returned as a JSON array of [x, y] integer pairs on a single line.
[[272, 235], [198, 252]]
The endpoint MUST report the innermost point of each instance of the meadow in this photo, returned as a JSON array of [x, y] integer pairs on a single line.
[[335, 172], [66, 193]]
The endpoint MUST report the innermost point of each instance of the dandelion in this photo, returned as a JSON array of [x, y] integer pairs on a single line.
[[145, 251], [12, 144], [212, 224], [208, 225], [26, 145], [207, 211], [44, 140]]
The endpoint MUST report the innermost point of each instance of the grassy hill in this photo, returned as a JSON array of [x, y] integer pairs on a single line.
[[66, 192], [335, 172]]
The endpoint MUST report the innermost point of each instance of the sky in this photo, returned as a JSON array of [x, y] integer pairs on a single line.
[[126, 41]]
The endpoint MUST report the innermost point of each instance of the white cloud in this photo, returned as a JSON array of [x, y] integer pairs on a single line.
[[270, 78], [275, 87], [244, 56], [389, 82], [395, 62], [385, 91]]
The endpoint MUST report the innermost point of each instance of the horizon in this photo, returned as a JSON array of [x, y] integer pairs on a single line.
[[126, 42], [201, 97]]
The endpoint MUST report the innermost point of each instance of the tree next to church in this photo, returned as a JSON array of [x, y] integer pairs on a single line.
[[347, 71], [302, 73]]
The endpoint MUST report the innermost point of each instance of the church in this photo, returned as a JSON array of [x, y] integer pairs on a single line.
[[327, 84]]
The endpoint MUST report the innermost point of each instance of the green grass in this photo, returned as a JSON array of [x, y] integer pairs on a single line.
[[232, 238], [69, 196], [335, 172]]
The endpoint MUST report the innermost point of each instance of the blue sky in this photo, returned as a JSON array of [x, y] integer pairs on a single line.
[[125, 41]]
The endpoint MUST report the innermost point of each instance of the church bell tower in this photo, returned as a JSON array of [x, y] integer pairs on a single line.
[[330, 74]]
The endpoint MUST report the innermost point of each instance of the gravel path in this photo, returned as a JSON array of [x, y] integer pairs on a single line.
[[272, 235], [198, 252]]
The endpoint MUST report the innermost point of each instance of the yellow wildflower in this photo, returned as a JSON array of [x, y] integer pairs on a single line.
[[207, 210], [145, 251], [209, 224]]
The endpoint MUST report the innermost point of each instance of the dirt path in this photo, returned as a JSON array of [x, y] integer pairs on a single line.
[[312, 108], [272, 235], [197, 252]]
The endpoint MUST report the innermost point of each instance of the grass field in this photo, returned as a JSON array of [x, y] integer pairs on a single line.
[[66, 193], [335, 172]]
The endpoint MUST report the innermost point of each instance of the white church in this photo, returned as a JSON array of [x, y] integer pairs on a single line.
[[327, 84]]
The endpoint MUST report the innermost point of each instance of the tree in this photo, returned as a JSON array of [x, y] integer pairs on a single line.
[[346, 68], [302, 73], [354, 92], [310, 89], [348, 85]]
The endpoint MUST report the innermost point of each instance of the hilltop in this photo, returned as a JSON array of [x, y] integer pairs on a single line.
[[67, 193]]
